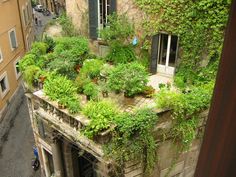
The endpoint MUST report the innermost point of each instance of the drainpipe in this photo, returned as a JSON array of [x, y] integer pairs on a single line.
[[23, 36]]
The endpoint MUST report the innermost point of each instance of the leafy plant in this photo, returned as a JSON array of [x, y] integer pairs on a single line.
[[50, 42], [39, 48], [133, 138], [67, 26], [27, 60], [130, 78], [60, 89], [91, 90], [120, 53], [118, 28], [91, 68], [101, 114], [30, 74]]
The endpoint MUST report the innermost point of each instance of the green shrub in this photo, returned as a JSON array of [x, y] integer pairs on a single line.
[[91, 90], [29, 75], [130, 78], [120, 53], [91, 68], [132, 137], [26, 61], [118, 28], [61, 89], [67, 26], [101, 114], [50, 42], [39, 48]]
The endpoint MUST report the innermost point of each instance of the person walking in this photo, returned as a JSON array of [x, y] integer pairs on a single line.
[[39, 21], [36, 20]]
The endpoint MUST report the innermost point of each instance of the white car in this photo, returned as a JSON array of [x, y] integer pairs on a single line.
[[38, 8]]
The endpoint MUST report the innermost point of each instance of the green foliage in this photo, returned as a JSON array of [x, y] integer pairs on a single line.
[[130, 78], [120, 53], [91, 68], [133, 138], [91, 90], [68, 52], [101, 114], [27, 60], [50, 42], [60, 89], [185, 107], [199, 24], [39, 48], [67, 26], [29, 75], [118, 28]]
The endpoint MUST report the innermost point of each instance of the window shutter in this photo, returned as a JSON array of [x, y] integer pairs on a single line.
[[113, 6], [154, 53], [13, 39], [93, 18]]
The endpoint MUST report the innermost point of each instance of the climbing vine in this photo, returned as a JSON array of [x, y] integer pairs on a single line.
[[199, 24]]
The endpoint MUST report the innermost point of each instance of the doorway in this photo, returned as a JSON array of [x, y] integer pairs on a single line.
[[167, 53]]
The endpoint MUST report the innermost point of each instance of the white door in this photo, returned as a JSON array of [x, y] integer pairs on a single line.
[[167, 54]]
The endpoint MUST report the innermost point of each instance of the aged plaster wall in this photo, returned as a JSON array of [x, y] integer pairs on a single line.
[[78, 11], [132, 11]]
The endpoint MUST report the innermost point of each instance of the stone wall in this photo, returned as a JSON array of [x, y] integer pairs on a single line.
[[167, 164], [78, 11], [132, 11]]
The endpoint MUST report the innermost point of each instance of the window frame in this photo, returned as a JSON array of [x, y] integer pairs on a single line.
[[9, 32], [1, 54], [4, 93], [15, 68]]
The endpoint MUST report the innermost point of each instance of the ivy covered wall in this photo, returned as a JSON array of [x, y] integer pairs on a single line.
[[200, 25]]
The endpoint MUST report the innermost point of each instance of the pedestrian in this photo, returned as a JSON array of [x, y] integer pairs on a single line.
[[36, 20], [39, 21]]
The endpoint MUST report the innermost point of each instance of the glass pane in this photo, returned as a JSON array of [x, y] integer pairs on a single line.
[[13, 39], [173, 51], [3, 84], [163, 49]]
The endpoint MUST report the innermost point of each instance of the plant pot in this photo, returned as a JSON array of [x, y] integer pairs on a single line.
[[61, 106], [128, 96], [105, 94], [88, 97]]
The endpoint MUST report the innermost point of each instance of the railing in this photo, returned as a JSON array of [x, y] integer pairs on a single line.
[[76, 122]]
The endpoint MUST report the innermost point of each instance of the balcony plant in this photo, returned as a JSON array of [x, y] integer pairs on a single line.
[[91, 91], [130, 78]]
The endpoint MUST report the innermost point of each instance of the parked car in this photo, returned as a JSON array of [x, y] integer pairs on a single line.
[[38, 8]]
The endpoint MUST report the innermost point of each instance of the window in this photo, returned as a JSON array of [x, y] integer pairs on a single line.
[[1, 57], [104, 11], [28, 13], [25, 16], [4, 84], [98, 13], [17, 69], [13, 40]]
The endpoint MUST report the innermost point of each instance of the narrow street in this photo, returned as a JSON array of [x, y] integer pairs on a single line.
[[17, 151]]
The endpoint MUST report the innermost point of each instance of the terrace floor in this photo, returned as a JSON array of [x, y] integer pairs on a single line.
[[155, 80]]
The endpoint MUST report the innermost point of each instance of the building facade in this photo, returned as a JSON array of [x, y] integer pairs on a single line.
[[16, 37], [65, 152], [54, 6], [90, 16]]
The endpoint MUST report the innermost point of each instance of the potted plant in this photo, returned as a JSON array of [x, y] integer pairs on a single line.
[[148, 91], [91, 91], [104, 88]]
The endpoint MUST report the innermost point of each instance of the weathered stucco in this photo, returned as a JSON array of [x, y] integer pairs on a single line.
[[135, 15], [78, 11]]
